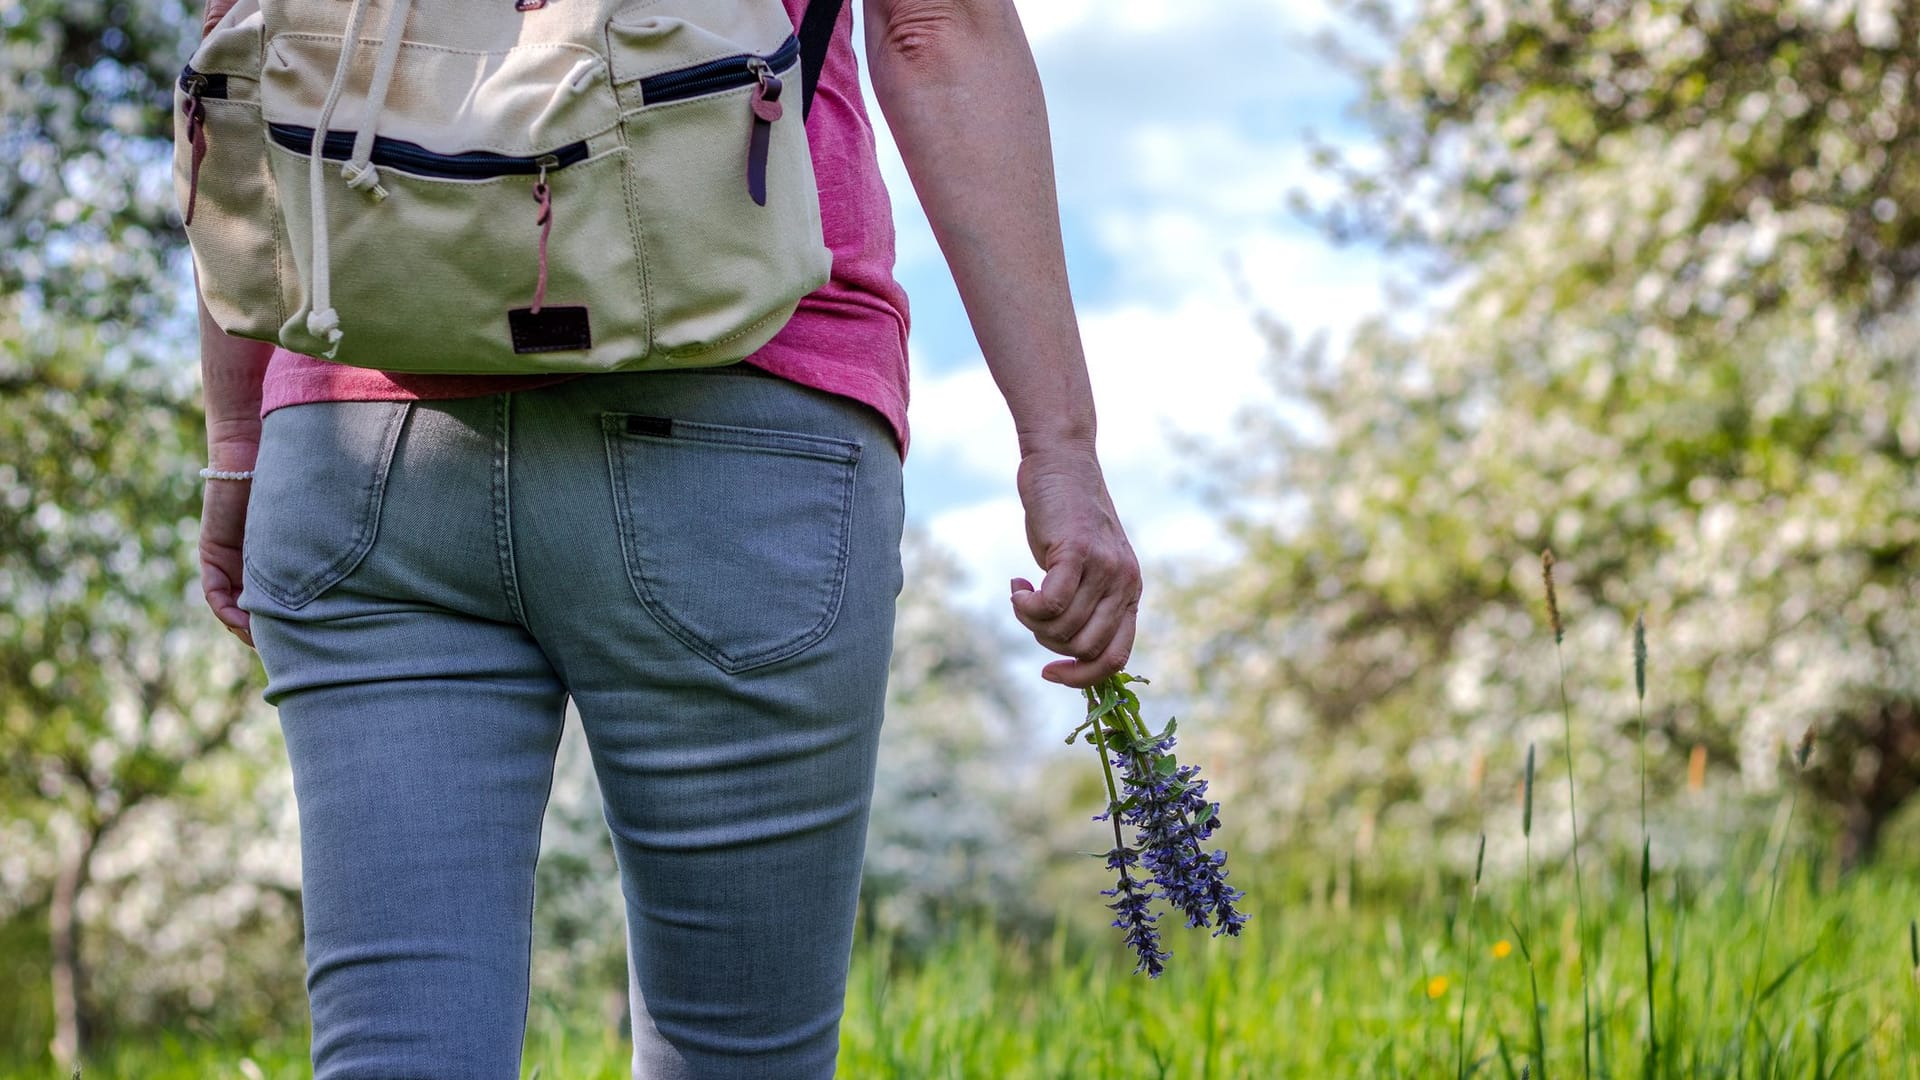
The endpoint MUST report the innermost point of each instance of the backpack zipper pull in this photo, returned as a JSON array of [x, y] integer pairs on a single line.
[[544, 195], [196, 137], [766, 109]]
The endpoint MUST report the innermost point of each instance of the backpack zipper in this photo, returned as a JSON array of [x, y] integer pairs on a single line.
[[413, 158], [201, 84], [713, 76], [198, 87], [733, 73]]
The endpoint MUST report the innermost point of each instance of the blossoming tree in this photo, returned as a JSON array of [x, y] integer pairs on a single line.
[[1677, 346]]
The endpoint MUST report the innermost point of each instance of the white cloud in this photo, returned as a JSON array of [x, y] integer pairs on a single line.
[[1049, 21], [1182, 535], [1162, 371], [1178, 132], [990, 538], [1227, 168], [960, 417], [1174, 256], [1158, 374], [1200, 101]]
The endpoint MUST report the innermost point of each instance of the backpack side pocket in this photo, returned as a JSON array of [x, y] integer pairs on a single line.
[[221, 181], [723, 182]]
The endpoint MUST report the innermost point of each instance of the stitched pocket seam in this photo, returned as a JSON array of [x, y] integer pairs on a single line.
[[309, 588], [645, 587]]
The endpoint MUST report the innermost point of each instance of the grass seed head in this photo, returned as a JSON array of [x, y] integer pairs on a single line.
[[1640, 655], [1805, 750], [1553, 598], [1913, 945], [1480, 860], [1526, 797]]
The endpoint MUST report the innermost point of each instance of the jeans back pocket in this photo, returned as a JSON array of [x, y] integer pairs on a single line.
[[735, 538], [317, 486]]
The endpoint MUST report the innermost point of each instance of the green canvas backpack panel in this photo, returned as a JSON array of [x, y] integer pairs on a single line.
[[503, 187]]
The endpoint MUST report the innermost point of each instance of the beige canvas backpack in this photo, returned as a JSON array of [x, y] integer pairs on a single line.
[[503, 186]]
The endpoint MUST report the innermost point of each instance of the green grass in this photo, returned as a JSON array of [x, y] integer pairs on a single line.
[[1319, 993], [1314, 991]]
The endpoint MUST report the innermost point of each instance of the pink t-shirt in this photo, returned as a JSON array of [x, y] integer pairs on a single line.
[[848, 337]]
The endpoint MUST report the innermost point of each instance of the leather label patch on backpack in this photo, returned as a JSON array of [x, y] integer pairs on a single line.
[[553, 329]]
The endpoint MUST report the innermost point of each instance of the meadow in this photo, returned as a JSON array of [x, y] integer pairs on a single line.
[[1315, 989], [1766, 962]]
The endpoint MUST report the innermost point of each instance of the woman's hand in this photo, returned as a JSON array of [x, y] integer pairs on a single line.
[[1086, 605], [223, 522]]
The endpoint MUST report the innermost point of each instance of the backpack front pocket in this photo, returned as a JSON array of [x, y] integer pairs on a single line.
[[482, 225], [724, 183], [508, 256]]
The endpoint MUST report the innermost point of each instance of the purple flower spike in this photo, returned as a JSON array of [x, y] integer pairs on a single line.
[[1220, 897], [1165, 803], [1173, 817], [1134, 917]]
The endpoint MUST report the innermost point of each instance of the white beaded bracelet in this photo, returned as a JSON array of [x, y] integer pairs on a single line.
[[226, 474]]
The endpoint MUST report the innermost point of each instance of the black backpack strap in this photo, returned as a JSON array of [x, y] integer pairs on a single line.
[[816, 32]]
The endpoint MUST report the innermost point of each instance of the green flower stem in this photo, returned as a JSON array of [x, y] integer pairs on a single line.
[[1113, 790]]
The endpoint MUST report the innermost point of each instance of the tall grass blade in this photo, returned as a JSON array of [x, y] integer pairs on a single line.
[[1913, 947], [1786, 973], [1646, 838], [1526, 908], [1539, 1026], [1573, 815], [1800, 755], [1466, 975]]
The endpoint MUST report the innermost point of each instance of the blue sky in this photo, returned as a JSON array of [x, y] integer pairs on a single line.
[[1178, 131]]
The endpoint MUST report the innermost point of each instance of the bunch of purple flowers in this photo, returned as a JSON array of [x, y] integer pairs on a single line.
[[1165, 803]]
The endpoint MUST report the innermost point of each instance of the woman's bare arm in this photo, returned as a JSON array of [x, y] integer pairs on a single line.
[[231, 373], [957, 83]]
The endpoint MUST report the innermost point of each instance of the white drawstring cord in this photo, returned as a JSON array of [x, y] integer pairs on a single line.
[[359, 174], [322, 320]]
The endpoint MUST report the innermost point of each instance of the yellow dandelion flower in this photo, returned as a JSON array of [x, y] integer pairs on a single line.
[[1436, 986], [1502, 949]]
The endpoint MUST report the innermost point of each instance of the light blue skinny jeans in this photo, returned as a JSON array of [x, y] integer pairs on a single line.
[[707, 563]]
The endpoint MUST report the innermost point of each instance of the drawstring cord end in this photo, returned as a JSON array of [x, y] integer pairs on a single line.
[[364, 178], [326, 324]]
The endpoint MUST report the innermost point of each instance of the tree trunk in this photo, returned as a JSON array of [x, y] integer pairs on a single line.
[[1870, 769], [1859, 838], [70, 1022]]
